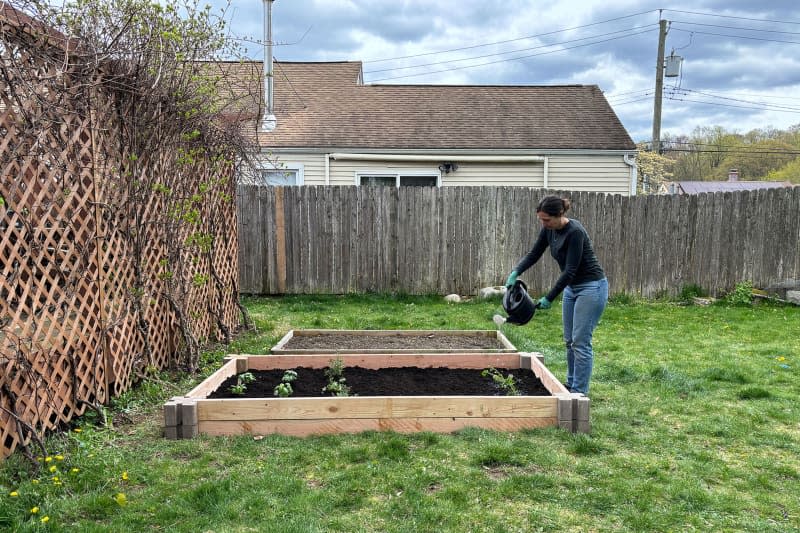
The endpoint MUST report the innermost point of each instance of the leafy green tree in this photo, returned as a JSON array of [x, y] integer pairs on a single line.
[[755, 160], [653, 170], [789, 172]]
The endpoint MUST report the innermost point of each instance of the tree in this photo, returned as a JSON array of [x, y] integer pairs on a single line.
[[653, 170], [789, 172]]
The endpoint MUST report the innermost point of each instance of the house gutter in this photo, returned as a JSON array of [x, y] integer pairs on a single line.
[[630, 160], [546, 172], [439, 157]]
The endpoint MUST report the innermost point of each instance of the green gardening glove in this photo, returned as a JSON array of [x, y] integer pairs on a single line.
[[511, 279], [543, 303]]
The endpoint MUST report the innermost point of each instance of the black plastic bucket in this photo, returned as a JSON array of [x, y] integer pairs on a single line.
[[518, 304]]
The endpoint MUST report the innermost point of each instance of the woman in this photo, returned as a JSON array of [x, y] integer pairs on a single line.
[[582, 280]]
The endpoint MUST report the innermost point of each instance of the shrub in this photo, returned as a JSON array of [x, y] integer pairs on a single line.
[[742, 294]]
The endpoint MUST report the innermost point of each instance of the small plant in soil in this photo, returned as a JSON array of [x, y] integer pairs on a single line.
[[284, 388], [241, 382], [508, 384], [336, 380]]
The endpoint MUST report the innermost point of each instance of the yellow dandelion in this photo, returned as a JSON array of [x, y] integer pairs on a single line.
[[77, 430], [55, 478], [45, 519], [780, 359], [120, 498], [59, 457], [48, 459], [125, 476], [34, 510], [35, 481], [53, 468], [13, 494], [75, 470]]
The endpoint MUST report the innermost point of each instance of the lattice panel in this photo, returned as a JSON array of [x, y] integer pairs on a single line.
[[70, 319], [48, 299]]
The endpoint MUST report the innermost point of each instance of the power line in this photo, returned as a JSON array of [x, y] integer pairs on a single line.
[[631, 101], [735, 36], [734, 152], [614, 95], [511, 58], [764, 108], [734, 27], [510, 40], [731, 17], [501, 53], [774, 107], [689, 143]]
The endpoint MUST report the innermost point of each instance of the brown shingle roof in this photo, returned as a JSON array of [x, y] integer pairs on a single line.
[[325, 105]]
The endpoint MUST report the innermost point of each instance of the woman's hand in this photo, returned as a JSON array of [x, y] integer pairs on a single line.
[[511, 279]]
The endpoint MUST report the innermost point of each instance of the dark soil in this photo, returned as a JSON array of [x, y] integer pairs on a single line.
[[430, 341], [405, 381]]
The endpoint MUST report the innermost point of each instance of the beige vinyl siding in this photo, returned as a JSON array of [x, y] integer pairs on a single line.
[[516, 174], [595, 173], [313, 166]]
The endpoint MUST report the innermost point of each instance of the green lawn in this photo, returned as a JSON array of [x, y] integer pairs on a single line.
[[695, 411]]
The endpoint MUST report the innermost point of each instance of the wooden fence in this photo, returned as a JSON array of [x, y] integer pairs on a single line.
[[319, 239], [71, 333]]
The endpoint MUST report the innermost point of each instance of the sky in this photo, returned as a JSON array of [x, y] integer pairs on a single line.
[[740, 68]]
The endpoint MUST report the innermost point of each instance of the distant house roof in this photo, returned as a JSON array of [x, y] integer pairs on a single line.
[[697, 187], [327, 105]]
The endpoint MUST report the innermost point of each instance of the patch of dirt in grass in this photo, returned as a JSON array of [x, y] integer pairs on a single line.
[[403, 381], [495, 472]]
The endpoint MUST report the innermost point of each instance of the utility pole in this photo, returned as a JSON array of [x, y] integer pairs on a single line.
[[662, 38]]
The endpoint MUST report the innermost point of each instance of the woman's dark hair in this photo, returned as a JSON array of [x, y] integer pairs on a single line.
[[553, 206]]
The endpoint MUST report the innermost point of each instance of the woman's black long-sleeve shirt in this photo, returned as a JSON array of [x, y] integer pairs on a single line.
[[572, 249]]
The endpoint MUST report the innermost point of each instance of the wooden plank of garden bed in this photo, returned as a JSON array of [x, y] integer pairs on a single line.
[[379, 407], [286, 338], [384, 360], [547, 378], [393, 332], [387, 350], [212, 382], [306, 428]]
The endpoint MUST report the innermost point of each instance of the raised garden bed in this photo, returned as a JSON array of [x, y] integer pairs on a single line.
[[320, 341], [198, 412]]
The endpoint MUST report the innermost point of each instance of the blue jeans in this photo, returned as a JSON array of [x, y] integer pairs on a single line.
[[581, 308]]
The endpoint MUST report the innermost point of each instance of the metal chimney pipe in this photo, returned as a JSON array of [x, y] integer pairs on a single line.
[[269, 121]]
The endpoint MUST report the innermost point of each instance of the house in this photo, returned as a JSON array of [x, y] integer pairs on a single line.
[[332, 129], [733, 184]]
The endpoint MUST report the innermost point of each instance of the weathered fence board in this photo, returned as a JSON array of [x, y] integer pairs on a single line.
[[460, 239]]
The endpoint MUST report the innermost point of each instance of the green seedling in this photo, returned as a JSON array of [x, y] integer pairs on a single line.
[[336, 380], [508, 384], [284, 388], [241, 382]]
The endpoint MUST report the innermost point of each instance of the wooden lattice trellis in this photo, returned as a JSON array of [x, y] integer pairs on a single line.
[[69, 335]]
